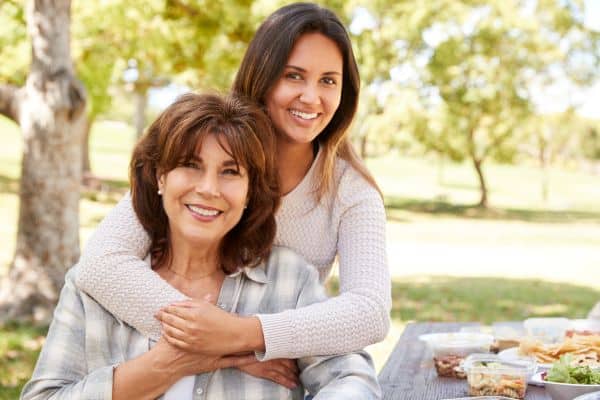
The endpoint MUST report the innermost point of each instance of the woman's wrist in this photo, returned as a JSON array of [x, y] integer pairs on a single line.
[[251, 334]]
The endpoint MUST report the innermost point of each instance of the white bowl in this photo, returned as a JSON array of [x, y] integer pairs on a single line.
[[589, 396], [565, 391]]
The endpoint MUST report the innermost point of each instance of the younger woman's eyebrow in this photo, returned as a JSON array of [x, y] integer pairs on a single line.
[[300, 69]]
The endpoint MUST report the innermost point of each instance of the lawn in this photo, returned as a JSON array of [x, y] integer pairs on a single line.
[[449, 261]]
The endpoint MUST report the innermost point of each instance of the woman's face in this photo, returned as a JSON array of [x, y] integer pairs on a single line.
[[205, 198], [305, 97]]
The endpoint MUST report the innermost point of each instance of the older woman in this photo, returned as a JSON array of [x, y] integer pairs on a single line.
[[204, 186]]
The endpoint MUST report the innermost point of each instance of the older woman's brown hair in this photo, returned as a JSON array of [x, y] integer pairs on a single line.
[[172, 140]]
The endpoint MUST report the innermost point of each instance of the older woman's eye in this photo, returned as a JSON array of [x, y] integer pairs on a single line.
[[191, 164], [231, 171]]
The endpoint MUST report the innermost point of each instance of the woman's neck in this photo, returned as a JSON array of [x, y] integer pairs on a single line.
[[293, 163], [193, 270]]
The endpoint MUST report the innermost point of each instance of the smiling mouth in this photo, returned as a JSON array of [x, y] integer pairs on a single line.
[[204, 212], [304, 115]]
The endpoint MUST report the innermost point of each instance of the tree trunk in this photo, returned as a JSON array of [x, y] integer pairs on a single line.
[[50, 109], [86, 169], [139, 118], [483, 200]]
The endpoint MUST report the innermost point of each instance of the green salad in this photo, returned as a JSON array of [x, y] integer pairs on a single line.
[[563, 372]]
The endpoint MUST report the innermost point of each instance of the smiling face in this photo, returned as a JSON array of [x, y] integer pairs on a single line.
[[305, 97], [205, 198]]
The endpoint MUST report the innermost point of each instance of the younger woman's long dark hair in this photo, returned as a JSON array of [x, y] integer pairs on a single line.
[[264, 63]]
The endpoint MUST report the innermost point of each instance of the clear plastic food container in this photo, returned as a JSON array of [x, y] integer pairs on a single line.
[[489, 376], [547, 329], [450, 349]]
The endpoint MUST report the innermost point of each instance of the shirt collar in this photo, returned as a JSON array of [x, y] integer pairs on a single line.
[[256, 274]]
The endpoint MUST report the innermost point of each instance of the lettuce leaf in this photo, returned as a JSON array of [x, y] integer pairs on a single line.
[[563, 372]]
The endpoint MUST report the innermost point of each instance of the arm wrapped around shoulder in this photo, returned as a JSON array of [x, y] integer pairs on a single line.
[[114, 273]]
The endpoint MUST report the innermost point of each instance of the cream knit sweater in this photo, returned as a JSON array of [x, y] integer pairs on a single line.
[[349, 223]]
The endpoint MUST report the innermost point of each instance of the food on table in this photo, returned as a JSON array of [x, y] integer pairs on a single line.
[[503, 344], [492, 383], [507, 335], [488, 376], [583, 332], [449, 349], [585, 350], [564, 371], [447, 366]]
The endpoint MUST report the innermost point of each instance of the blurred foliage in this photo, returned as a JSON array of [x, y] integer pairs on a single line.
[[591, 143], [197, 43], [13, 43], [465, 72]]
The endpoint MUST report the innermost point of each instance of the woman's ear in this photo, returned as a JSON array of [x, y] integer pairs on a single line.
[[160, 180]]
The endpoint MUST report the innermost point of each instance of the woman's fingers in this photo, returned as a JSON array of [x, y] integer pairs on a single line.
[[290, 365], [283, 379], [175, 319], [177, 343], [284, 369], [175, 333], [183, 303], [278, 371], [181, 311]]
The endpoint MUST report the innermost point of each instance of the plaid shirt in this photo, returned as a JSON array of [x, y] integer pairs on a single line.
[[85, 342]]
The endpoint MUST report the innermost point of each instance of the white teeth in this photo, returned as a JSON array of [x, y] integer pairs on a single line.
[[304, 115], [203, 211]]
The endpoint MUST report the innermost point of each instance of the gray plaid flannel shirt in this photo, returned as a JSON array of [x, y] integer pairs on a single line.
[[85, 342]]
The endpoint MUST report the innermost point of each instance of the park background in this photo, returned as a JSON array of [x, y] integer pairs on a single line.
[[479, 120]]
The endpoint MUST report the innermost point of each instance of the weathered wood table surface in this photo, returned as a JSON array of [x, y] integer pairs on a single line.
[[409, 373]]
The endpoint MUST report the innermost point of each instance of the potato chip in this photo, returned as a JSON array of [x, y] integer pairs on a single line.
[[586, 347]]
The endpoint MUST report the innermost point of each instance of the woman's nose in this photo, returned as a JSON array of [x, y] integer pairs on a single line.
[[310, 94], [208, 185]]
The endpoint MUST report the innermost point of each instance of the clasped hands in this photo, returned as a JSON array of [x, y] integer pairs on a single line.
[[198, 326]]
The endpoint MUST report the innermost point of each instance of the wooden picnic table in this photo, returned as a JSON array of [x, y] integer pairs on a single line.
[[409, 373]]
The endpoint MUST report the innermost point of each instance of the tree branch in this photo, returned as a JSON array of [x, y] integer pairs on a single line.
[[498, 140], [9, 102]]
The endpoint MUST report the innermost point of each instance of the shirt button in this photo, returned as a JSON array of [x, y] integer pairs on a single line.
[[199, 391]]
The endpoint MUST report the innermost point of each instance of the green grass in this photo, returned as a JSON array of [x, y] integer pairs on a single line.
[[515, 187], [522, 258], [19, 348]]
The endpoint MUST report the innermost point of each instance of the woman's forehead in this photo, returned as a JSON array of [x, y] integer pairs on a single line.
[[216, 147], [317, 52]]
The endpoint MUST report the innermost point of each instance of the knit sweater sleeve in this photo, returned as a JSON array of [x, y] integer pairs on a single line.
[[359, 315], [113, 272]]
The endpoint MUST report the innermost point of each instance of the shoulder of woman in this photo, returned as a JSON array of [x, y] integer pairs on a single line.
[[72, 274], [352, 187]]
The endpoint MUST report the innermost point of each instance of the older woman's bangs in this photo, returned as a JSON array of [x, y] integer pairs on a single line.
[[243, 146]]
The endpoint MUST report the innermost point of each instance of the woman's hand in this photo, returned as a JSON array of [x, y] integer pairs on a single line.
[[181, 363], [201, 327], [282, 371]]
